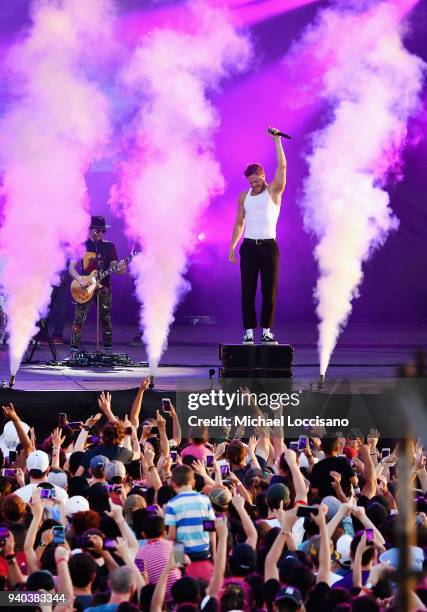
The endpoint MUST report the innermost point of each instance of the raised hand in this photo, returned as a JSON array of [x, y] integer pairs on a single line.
[[92, 420], [336, 479], [62, 553], [149, 454], [358, 512], [160, 421], [126, 422], [104, 401], [57, 438], [320, 517], [238, 501], [199, 467], [36, 504], [252, 445], [221, 527], [116, 512], [46, 537], [33, 438], [373, 437], [10, 412], [9, 546], [122, 548], [19, 475], [145, 383]]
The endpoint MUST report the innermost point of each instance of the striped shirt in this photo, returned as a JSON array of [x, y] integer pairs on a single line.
[[156, 554], [187, 511]]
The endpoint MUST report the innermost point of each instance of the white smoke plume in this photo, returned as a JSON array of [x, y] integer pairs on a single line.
[[48, 138], [172, 173], [373, 85]]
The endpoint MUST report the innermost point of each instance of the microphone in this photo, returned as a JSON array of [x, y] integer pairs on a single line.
[[275, 132]]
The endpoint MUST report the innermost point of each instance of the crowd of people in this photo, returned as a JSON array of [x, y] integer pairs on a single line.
[[124, 514]]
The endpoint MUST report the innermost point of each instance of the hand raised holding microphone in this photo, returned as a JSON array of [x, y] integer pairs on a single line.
[[274, 132]]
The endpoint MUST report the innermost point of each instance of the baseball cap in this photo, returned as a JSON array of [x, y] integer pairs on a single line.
[[76, 504], [377, 513], [58, 478], [243, 560], [220, 496], [288, 563], [10, 434], [276, 493], [289, 592], [132, 503], [333, 505], [98, 462], [38, 460], [392, 556], [343, 549], [115, 471]]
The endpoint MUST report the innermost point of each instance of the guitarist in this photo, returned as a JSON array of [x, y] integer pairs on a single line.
[[100, 255]]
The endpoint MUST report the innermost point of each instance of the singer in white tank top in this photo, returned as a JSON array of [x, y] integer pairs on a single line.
[[257, 214]]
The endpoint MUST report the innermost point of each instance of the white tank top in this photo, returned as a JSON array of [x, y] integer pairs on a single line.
[[261, 215]]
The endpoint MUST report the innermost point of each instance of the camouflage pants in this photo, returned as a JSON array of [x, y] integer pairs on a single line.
[[82, 310]]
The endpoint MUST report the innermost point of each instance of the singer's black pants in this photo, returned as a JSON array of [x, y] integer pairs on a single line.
[[81, 312], [259, 258]]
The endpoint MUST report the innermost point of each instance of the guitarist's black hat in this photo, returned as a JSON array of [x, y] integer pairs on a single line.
[[98, 223]]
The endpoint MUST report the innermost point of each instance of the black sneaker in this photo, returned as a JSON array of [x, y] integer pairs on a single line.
[[268, 338], [248, 338]]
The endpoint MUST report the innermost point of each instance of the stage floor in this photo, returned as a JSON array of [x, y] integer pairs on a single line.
[[365, 353]]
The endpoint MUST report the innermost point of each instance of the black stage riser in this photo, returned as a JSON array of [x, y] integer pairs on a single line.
[[251, 356], [254, 373]]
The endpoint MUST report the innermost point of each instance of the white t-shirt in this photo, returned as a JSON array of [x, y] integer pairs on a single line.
[[25, 493]]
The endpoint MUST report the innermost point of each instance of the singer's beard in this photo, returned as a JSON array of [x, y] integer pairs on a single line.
[[259, 189]]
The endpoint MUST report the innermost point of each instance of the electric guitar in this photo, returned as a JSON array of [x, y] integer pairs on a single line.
[[81, 295]]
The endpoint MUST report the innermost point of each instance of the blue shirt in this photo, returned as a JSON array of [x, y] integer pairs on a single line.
[[187, 511]]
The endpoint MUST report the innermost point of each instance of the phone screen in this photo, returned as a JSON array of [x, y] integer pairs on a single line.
[[174, 455], [8, 473], [166, 404], [293, 445], [209, 461], [13, 456], [225, 470], [369, 536], [47, 493], [178, 553], [385, 452], [74, 425], [302, 442], [140, 564], [58, 535], [208, 525]]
